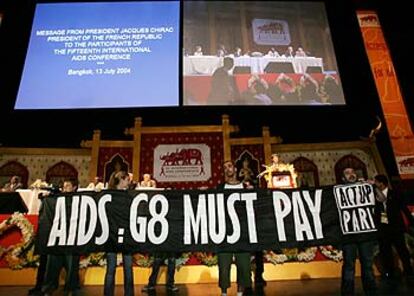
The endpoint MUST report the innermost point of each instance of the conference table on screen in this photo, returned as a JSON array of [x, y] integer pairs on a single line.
[[206, 65]]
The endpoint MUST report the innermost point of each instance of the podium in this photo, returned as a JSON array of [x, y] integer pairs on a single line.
[[282, 180]]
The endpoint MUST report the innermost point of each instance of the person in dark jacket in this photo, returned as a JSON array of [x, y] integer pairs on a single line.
[[391, 228], [363, 249]]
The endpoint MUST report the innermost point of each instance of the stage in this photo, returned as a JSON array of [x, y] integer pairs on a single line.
[[287, 288]]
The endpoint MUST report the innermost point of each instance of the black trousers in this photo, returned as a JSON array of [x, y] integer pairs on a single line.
[[390, 237], [258, 258], [156, 265]]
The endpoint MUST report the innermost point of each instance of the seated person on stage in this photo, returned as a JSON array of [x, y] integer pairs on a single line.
[[198, 50], [300, 52], [273, 53], [13, 185], [96, 184], [257, 92], [119, 181], [289, 53], [70, 262], [226, 258], [147, 182], [158, 260], [222, 51], [238, 52]]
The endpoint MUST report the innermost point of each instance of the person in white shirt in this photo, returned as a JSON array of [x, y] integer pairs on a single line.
[[198, 50], [225, 258]]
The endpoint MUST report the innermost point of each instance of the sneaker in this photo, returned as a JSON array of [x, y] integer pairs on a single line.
[[172, 288], [148, 288]]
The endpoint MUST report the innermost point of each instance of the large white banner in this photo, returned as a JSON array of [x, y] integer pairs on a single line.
[[182, 163], [405, 164], [270, 32]]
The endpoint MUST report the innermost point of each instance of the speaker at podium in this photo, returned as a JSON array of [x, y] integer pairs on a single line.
[[242, 70], [313, 69], [279, 67]]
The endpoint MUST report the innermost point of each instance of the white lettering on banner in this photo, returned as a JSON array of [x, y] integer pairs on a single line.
[[78, 226], [196, 225], [103, 219], [355, 207], [283, 206], [235, 236], [158, 218], [249, 198], [216, 221], [86, 232], [73, 220], [139, 235], [198, 228], [58, 230]]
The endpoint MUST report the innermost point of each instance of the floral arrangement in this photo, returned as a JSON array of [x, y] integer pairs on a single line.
[[208, 259], [307, 254], [276, 258], [143, 260], [331, 253], [38, 184], [93, 259], [19, 255]]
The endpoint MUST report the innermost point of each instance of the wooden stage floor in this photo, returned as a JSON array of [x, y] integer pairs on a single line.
[[401, 287]]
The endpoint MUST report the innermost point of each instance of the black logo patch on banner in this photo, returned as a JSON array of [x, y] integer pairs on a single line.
[[356, 204]]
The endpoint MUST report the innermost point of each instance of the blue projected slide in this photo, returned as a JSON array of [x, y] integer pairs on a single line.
[[102, 55]]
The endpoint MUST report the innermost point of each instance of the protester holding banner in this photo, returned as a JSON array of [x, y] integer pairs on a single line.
[[225, 259], [391, 229], [120, 181], [158, 260], [365, 250], [55, 263]]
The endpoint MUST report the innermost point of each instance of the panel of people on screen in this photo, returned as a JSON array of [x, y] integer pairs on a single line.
[[222, 51]]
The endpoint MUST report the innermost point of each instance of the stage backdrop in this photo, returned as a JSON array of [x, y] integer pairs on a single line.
[[183, 160]]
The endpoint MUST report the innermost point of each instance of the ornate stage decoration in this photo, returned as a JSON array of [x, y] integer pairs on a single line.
[[39, 184], [279, 175], [331, 253], [141, 260], [207, 258], [21, 254], [93, 259]]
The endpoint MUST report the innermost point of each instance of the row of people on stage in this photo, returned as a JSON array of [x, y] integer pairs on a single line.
[[14, 184], [238, 52], [388, 218], [47, 280]]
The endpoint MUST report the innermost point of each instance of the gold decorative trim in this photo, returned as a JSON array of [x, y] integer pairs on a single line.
[[45, 151]]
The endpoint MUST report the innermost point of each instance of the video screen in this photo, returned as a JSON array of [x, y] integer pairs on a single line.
[[258, 53], [102, 55]]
